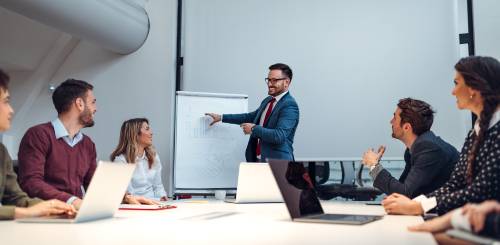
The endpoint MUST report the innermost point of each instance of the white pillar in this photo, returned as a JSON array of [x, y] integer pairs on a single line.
[[121, 26]]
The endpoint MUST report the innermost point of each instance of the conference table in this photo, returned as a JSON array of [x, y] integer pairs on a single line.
[[210, 221]]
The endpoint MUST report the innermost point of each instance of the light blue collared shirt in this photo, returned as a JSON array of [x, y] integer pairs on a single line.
[[61, 132]]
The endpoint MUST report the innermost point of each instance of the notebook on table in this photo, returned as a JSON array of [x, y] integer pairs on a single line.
[[146, 207]]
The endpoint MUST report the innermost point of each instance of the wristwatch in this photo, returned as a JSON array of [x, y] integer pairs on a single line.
[[372, 167]]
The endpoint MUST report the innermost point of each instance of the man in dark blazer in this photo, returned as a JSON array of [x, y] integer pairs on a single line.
[[272, 126], [429, 159]]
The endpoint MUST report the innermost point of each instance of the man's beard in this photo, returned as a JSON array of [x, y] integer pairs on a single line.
[[277, 91], [86, 118], [398, 137]]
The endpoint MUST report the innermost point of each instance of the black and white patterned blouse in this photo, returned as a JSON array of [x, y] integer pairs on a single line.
[[486, 181]]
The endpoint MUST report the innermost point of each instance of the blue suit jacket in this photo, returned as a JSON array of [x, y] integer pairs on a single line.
[[276, 136]]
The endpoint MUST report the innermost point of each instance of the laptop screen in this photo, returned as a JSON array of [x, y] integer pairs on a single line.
[[296, 188]]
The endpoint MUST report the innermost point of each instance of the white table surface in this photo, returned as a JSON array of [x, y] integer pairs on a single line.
[[216, 222]]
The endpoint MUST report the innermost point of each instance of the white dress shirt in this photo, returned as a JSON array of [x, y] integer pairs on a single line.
[[145, 182], [263, 115], [460, 221]]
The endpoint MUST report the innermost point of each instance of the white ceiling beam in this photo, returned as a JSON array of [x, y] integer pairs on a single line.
[[121, 26]]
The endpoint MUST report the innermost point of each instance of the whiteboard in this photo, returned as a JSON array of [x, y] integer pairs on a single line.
[[207, 156]]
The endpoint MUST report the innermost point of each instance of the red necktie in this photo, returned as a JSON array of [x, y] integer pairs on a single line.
[[268, 113]]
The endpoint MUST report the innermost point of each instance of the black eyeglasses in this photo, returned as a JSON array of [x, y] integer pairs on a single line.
[[274, 80]]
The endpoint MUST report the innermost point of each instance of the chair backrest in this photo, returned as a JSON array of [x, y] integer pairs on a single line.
[[347, 187], [348, 173], [321, 172], [359, 176]]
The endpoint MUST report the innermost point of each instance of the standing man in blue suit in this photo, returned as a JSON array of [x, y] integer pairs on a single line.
[[272, 126]]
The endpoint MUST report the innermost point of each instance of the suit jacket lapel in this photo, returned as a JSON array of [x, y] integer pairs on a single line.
[[261, 109], [277, 107]]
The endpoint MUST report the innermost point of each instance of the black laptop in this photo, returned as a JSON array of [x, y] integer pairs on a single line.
[[300, 197]]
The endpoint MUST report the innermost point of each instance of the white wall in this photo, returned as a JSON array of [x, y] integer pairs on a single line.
[[487, 27], [352, 61], [136, 85], [19, 87]]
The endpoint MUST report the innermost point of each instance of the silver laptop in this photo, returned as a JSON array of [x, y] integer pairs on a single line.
[[256, 184], [103, 197], [300, 197]]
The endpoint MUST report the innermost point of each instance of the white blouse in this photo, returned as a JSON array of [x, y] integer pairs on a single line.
[[145, 182]]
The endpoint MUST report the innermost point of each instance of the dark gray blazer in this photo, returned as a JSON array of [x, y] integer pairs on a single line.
[[429, 164]]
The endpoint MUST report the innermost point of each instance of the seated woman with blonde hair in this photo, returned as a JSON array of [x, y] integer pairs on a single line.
[[136, 147]]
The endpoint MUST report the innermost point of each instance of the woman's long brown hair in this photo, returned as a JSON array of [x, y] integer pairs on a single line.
[[128, 143]]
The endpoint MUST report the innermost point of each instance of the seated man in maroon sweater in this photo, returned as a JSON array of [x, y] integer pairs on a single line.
[[57, 161]]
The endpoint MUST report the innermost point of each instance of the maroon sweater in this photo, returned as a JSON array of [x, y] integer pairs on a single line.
[[49, 168]]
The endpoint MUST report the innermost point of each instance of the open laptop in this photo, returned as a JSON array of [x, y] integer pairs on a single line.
[[300, 197], [256, 184], [103, 197]]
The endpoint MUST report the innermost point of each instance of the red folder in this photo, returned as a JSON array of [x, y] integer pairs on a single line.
[[146, 207]]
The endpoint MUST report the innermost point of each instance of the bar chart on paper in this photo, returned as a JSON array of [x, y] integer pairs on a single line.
[[207, 156]]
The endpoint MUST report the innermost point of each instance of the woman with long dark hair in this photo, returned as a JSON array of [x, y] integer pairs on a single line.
[[476, 176]]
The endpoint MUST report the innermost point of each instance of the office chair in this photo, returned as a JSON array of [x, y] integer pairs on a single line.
[[347, 187]]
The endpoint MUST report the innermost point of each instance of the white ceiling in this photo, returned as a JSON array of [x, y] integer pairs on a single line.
[[23, 42]]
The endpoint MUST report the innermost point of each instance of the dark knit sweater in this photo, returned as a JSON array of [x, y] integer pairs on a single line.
[[50, 168]]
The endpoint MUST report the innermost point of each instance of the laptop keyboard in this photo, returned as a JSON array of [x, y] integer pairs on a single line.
[[344, 217], [332, 217]]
